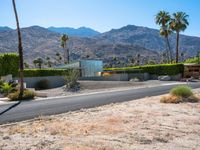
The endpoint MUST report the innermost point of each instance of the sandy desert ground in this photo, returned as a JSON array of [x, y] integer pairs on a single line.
[[144, 124]]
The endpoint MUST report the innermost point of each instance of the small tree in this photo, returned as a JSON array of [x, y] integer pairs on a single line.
[[71, 79]]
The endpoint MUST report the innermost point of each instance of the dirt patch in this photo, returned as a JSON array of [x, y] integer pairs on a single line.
[[140, 124]]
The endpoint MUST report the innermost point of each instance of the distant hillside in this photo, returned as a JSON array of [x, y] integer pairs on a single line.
[[124, 43], [150, 39], [40, 42], [80, 32], [5, 29]]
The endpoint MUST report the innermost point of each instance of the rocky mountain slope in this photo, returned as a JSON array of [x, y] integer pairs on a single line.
[[5, 29], [150, 39], [124, 43]]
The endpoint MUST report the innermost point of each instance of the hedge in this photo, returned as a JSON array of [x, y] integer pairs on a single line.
[[44, 72], [192, 60], [161, 69], [9, 64]]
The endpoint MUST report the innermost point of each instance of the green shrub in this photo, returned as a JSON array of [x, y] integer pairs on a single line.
[[28, 95], [9, 64], [42, 84], [71, 79], [161, 69], [192, 60], [181, 91], [44, 72], [5, 88]]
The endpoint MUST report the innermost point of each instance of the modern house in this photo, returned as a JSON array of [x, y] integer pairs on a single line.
[[88, 68]]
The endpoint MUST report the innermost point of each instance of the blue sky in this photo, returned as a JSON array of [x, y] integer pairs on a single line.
[[101, 15]]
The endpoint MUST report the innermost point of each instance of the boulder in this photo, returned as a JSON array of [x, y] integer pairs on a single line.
[[164, 78], [135, 80]]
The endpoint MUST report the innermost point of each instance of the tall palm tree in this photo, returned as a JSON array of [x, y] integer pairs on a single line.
[[163, 18], [20, 51], [178, 23], [64, 39]]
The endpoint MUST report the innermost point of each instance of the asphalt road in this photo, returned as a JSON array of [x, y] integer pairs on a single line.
[[31, 109]]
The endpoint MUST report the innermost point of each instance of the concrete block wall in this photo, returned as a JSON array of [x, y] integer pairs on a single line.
[[54, 81]]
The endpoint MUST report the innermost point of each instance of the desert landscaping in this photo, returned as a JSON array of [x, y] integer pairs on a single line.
[[99, 75], [140, 124]]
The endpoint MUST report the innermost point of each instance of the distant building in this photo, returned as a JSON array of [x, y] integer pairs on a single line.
[[88, 68]]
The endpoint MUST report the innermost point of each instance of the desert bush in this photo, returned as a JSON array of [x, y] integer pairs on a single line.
[[71, 79], [178, 99], [42, 84], [26, 96], [5, 88], [180, 94], [182, 91], [192, 99], [171, 99]]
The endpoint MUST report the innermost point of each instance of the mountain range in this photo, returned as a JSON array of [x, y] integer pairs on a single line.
[[2, 29], [80, 32], [124, 43]]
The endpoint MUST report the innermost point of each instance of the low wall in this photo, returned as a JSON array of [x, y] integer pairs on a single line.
[[119, 77], [127, 77], [58, 81], [54, 81]]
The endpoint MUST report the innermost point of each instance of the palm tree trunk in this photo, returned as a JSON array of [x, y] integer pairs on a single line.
[[68, 55], [20, 50], [169, 48], [177, 46]]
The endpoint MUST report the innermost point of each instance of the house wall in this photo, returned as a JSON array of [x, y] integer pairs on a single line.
[[54, 81]]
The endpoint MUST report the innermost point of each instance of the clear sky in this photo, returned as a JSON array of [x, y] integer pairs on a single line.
[[101, 15]]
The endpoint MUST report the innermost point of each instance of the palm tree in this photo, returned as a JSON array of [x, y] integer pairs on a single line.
[[165, 33], [178, 23], [64, 39], [163, 18], [20, 51]]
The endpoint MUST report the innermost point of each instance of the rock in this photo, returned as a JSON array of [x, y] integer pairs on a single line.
[[164, 78], [135, 80]]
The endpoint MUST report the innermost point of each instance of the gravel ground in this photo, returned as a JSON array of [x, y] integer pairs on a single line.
[[144, 124]]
